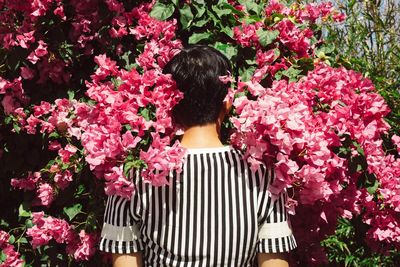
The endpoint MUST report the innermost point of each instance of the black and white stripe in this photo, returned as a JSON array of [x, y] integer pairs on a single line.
[[217, 212]]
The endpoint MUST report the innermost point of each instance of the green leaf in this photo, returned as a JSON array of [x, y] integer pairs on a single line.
[[186, 16], [23, 210], [201, 23], [252, 6], [28, 223], [71, 94], [200, 8], [3, 256], [22, 240], [4, 223], [135, 164], [246, 73], [326, 49], [16, 128], [221, 12], [215, 19], [228, 50], [197, 37], [72, 211], [54, 135], [145, 113], [266, 37], [161, 11], [8, 119], [372, 189], [11, 240], [359, 148], [292, 73], [252, 19], [228, 31], [80, 190], [127, 127], [232, 9]]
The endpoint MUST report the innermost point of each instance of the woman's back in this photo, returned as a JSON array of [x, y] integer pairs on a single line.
[[217, 212]]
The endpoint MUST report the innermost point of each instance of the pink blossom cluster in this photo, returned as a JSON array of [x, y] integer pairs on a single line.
[[13, 95], [102, 136], [300, 126], [308, 13], [292, 35], [81, 246], [12, 257], [115, 125], [34, 182], [45, 184], [48, 228], [102, 125]]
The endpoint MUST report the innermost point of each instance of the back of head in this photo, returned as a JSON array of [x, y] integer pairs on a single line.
[[196, 70]]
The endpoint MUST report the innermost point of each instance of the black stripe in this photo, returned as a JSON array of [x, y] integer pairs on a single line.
[[195, 205], [230, 208], [239, 216], [209, 211]]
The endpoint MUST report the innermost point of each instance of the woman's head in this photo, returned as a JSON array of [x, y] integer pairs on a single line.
[[196, 70]]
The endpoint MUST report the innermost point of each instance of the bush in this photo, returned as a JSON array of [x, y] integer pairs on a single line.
[[84, 103]]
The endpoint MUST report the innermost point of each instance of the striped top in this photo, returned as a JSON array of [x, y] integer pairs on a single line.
[[216, 212]]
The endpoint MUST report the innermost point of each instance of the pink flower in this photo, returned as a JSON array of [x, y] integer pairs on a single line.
[[9, 104], [27, 73], [39, 52], [106, 67], [295, 39], [25, 39], [66, 152], [43, 109], [12, 257], [45, 195], [246, 34], [48, 228], [54, 145], [28, 183], [274, 7], [59, 11], [84, 247], [63, 179], [226, 78], [396, 141], [118, 184]]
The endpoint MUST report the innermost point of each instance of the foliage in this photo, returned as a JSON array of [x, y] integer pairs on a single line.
[[369, 42], [84, 105], [346, 247]]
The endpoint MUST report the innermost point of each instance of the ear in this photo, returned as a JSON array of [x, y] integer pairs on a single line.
[[228, 106], [225, 109]]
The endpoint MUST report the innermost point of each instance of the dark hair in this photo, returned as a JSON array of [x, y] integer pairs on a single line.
[[196, 70]]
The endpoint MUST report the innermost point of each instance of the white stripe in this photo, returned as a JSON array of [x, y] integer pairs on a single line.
[[207, 213], [119, 233], [192, 233], [274, 230], [241, 206], [198, 211], [214, 215], [208, 150]]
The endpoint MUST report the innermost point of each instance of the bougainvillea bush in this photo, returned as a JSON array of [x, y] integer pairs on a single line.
[[84, 102]]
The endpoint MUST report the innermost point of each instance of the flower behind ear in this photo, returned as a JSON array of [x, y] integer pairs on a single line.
[[226, 78]]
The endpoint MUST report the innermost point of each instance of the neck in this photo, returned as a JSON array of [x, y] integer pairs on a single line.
[[201, 136]]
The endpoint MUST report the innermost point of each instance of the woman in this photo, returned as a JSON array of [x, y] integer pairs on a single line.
[[216, 212]]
